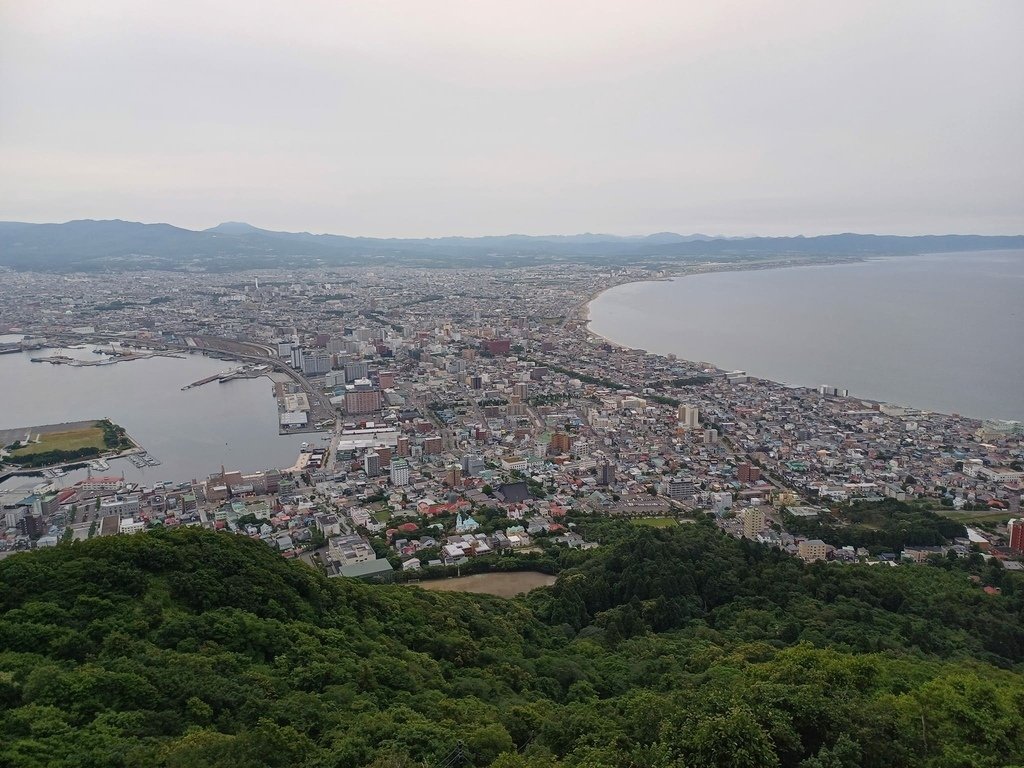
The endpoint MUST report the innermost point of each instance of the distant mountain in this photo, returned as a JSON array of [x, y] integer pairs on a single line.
[[120, 245]]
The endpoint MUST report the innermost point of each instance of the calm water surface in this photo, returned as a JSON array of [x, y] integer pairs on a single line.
[[940, 332], [192, 433]]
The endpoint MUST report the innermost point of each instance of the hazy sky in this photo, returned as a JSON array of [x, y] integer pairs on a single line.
[[432, 118]]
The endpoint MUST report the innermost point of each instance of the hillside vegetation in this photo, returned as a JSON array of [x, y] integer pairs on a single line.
[[666, 647]]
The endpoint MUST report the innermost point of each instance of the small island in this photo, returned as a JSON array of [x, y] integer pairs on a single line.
[[54, 444]]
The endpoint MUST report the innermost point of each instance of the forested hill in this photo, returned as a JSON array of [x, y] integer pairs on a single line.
[[669, 647], [89, 245]]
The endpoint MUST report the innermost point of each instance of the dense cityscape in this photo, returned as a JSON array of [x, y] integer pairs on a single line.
[[470, 413]]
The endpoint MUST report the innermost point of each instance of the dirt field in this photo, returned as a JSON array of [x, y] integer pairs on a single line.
[[498, 584]]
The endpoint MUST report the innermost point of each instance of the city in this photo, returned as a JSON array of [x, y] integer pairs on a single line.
[[471, 412]]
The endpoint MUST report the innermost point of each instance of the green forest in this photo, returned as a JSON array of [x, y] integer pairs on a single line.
[[879, 526], [664, 647]]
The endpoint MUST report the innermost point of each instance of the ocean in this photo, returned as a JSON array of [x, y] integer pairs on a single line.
[[939, 332]]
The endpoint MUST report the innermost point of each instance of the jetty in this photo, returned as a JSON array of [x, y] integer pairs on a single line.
[[242, 372]]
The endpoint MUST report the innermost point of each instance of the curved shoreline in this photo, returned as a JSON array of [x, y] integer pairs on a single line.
[[581, 313], [584, 317]]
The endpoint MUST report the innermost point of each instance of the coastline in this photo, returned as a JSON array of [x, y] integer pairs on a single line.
[[581, 312], [582, 315]]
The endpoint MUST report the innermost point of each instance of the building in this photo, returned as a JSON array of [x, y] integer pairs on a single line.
[[349, 549], [521, 390], [561, 442], [316, 362], [753, 522], [1015, 531], [372, 570], [605, 473], [810, 550], [399, 473], [748, 473], [514, 464], [360, 401], [402, 446], [371, 464], [432, 445], [498, 346], [688, 416], [129, 525], [682, 489], [453, 475], [472, 465], [356, 370]]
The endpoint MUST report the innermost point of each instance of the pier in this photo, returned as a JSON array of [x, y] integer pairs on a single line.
[[242, 372]]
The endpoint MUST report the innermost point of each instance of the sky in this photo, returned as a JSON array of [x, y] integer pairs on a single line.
[[432, 117]]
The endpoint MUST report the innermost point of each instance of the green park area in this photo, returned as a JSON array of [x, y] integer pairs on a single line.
[[72, 440], [42, 447], [656, 522], [967, 518]]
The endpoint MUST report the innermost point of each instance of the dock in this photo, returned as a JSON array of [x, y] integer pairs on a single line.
[[242, 372], [142, 460]]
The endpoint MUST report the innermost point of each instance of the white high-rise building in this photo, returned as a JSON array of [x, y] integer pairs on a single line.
[[399, 472]]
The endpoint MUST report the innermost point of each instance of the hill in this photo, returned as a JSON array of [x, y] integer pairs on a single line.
[[120, 245], [669, 647]]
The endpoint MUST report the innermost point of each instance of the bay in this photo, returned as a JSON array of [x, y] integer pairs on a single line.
[[940, 332], [192, 433]]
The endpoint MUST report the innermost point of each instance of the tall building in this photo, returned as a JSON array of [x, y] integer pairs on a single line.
[[453, 475], [1015, 529], [748, 473], [810, 550], [356, 370], [358, 401], [399, 472], [432, 445], [472, 465], [521, 390], [402, 447], [605, 473], [371, 464], [753, 522], [688, 416], [316, 362], [561, 442], [710, 436]]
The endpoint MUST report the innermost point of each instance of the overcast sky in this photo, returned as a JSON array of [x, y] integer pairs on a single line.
[[429, 117]]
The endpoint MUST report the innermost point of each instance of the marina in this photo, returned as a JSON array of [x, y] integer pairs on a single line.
[[142, 460]]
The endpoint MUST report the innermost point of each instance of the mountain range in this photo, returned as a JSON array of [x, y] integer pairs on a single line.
[[89, 245]]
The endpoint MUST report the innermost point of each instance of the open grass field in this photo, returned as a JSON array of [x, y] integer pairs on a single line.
[[996, 516], [656, 522], [70, 440]]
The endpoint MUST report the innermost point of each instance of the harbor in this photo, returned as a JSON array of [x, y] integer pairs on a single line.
[[241, 372], [142, 459]]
